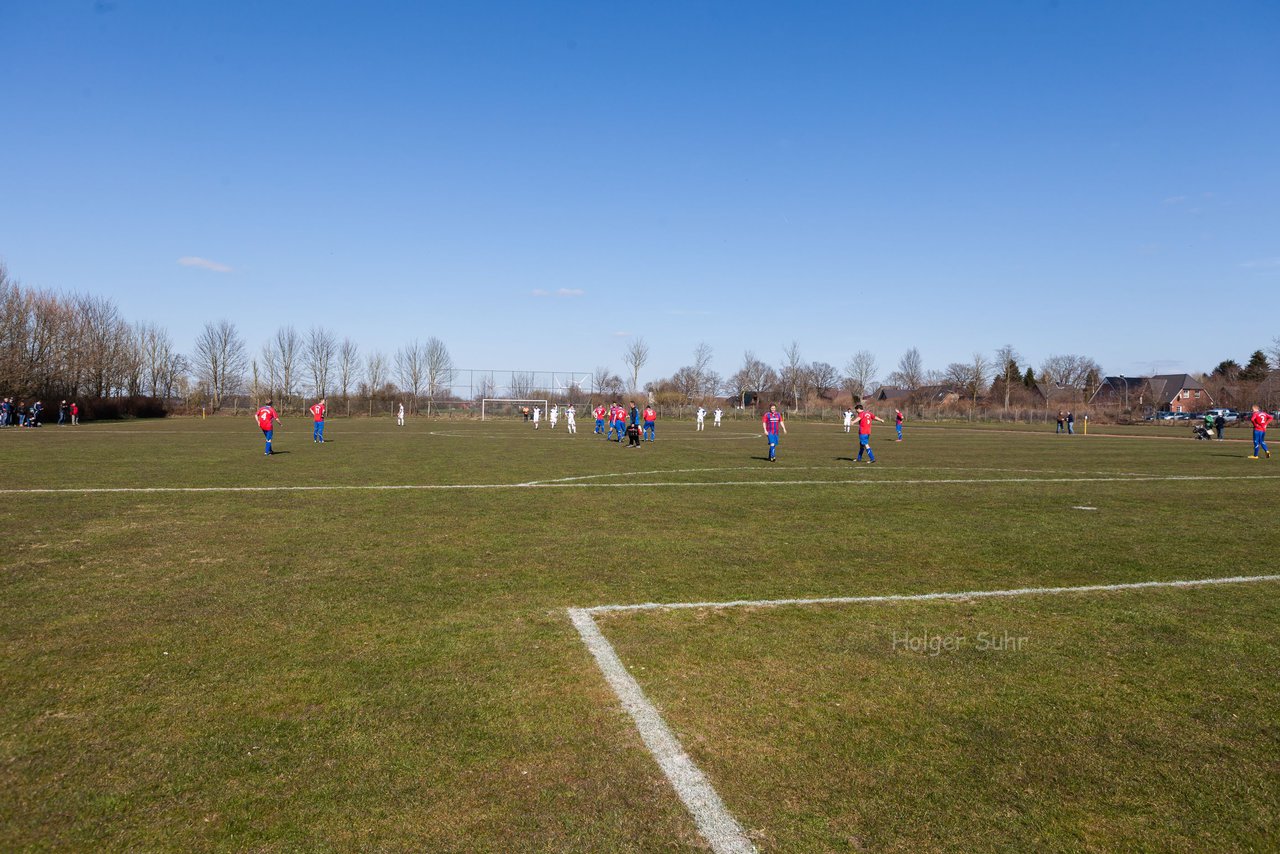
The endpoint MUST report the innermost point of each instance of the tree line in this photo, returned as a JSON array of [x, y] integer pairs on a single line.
[[80, 346]]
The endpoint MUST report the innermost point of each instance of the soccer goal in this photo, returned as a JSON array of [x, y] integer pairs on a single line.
[[509, 407]]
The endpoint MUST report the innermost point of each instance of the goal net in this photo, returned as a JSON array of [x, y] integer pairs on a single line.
[[510, 407]]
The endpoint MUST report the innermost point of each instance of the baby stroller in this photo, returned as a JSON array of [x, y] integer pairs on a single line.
[[1202, 432]]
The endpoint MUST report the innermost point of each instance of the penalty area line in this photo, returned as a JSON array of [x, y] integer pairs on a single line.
[[717, 825]]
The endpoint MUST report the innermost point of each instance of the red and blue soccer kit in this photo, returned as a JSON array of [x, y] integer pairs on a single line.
[[1261, 421], [897, 422], [772, 426], [317, 432], [864, 435], [650, 416], [267, 419], [599, 414], [617, 422]]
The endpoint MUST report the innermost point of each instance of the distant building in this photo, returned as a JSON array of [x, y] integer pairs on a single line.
[[1162, 392]]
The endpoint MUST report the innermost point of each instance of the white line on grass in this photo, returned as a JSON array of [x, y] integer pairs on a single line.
[[717, 825], [83, 490]]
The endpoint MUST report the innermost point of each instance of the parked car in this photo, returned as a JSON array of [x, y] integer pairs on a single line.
[[1229, 414]]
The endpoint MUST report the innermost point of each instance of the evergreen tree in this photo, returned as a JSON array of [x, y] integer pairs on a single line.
[[1257, 369], [1029, 379]]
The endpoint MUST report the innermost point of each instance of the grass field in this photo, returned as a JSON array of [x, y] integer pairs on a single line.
[[366, 645]]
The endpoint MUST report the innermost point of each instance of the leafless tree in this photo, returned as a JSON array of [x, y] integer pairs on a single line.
[[754, 376], [100, 333], [1007, 364], [221, 359], [375, 373], [1069, 371], [521, 384], [860, 374], [348, 364], [824, 378], [288, 345], [634, 357], [321, 350], [910, 374], [706, 380], [439, 370], [792, 374], [271, 368], [1274, 352], [411, 370]]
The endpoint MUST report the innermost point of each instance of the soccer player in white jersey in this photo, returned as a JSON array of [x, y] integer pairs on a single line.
[[554, 414], [848, 420], [702, 418], [537, 416], [570, 419], [717, 414], [400, 416]]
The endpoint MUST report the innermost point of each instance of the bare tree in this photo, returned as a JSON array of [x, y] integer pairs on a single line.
[[911, 374], [601, 380], [824, 378], [375, 373], [100, 333], [860, 374], [348, 364], [220, 359], [634, 357], [321, 350], [1007, 364], [521, 384], [1069, 371], [980, 373], [439, 370], [271, 368], [1274, 352], [411, 370], [703, 375], [754, 376], [792, 374], [287, 344]]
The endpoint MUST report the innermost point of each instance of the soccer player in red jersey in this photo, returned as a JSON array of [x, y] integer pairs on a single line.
[[267, 419], [1261, 421], [865, 417], [317, 413], [599, 414], [897, 422], [650, 416], [773, 423]]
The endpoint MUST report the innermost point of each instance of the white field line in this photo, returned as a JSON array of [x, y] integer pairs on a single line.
[[717, 825], [83, 490]]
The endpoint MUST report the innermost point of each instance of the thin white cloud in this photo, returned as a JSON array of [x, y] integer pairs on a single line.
[[1175, 200], [1262, 264], [539, 292], [195, 261], [622, 335], [570, 292]]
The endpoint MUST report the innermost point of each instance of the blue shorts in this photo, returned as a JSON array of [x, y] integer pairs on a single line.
[[864, 439], [773, 439]]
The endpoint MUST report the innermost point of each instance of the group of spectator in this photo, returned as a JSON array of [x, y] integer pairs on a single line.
[[21, 415]]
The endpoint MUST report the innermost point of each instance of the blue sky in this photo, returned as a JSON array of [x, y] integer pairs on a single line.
[[534, 182]]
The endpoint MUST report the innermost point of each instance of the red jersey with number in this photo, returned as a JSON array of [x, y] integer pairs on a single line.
[[1261, 420], [650, 414], [599, 413], [317, 411], [864, 422], [771, 421], [266, 417]]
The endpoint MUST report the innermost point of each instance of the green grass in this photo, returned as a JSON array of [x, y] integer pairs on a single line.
[[394, 670]]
